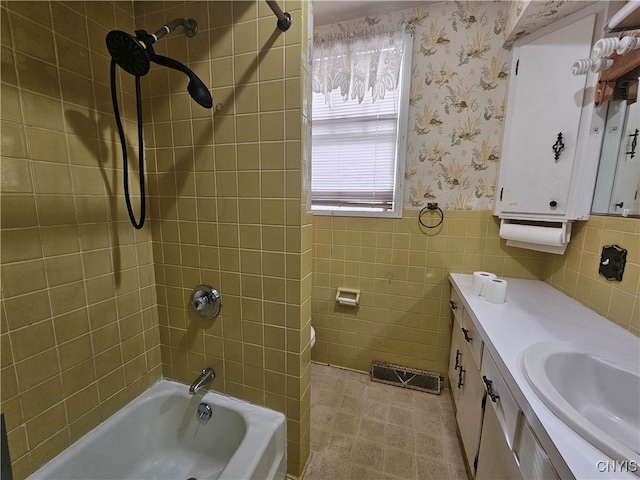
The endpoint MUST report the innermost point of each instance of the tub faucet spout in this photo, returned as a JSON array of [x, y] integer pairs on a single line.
[[206, 376]]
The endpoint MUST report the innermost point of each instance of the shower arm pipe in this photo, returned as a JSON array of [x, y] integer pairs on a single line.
[[284, 18], [190, 28]]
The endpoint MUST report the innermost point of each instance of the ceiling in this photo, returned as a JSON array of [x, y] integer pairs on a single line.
[[332, 11]]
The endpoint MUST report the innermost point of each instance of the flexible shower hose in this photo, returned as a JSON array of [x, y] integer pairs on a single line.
[[125, 162]]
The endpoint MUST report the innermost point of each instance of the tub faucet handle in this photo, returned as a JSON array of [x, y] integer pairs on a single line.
[[206, 376], [206, 301]]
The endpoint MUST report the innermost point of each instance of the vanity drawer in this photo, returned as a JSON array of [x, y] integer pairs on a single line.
[[499, 397], [456, 307], [472, 337]]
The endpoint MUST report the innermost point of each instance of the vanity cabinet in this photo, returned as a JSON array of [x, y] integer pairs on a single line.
[[518, 428], [548, 165], [496, 438], [466, 384]]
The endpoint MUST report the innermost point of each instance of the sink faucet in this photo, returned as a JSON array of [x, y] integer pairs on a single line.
[[206, 376]]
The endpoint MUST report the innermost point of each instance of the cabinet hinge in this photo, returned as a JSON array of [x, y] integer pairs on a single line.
[[517, 66], [475, 464], [501, 190], [484, 402]]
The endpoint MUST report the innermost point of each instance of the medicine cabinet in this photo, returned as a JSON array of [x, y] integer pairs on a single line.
[[553, 130]]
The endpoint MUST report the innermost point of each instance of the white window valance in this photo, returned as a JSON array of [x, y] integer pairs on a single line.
[[358, 64]]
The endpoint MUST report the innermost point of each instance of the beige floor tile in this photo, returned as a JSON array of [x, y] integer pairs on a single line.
[[429, 445], [401, 437], [399, 463], [360, 472], [429, 468], [345, 423], [369, 454], [403, 417], [372, 430], [364, 430]]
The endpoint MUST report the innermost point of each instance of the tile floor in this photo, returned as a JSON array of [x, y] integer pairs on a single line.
[[367, 430]]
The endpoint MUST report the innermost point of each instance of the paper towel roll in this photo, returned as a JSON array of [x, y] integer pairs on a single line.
[[533, 234], [479, 283], [496, 291]]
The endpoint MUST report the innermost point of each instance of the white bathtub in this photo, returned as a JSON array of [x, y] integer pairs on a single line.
[[159, 436]]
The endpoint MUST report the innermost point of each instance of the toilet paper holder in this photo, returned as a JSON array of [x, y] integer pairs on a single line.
[[348, 296]]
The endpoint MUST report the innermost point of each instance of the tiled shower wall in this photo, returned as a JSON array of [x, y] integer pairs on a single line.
[[227, 205], [78, 318]]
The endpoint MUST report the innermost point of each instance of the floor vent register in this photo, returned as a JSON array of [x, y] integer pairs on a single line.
[[405, 377]]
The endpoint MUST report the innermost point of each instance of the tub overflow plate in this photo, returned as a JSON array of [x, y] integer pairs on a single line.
[[204, 411]]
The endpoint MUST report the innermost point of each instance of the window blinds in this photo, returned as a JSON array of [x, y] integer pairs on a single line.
[[354, 151]]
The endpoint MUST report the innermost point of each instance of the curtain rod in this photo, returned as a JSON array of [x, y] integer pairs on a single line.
[[284, 18]]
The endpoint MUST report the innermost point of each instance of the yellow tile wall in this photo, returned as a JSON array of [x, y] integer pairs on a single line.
[[402, 271], [78, 327], [576, 272], [227, 205]]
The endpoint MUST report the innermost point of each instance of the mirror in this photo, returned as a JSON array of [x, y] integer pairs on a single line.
[[617, 190]]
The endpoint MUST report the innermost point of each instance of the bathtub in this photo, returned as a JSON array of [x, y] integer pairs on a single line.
[[159, 436]]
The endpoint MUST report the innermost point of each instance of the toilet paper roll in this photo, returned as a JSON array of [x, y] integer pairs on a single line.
[[479, 283], [347, 301], [496, 291]]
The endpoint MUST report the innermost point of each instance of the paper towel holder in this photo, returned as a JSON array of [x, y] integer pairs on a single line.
[[561, 229]]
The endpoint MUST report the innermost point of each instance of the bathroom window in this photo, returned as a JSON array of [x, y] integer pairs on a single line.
[[359, 125]]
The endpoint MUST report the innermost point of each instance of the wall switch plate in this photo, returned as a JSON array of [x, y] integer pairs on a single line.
[[612, 262]]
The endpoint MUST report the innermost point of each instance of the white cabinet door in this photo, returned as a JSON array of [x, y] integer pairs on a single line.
[[533, 460], [495, 459], [545, 100], [468, 390], [469, 414]]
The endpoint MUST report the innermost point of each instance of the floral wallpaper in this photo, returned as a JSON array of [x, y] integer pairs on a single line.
[[525, 16], [457, 99]]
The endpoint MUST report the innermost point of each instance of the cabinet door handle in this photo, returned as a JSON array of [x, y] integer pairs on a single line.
[[634, 144], [489, 383], [457, 365], [453, 304], [465, 332], [558, 147], [460, 373]]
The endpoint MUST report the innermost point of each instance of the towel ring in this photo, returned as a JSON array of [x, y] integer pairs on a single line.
[[431, 207]]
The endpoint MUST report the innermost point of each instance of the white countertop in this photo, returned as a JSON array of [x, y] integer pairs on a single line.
[[536, 312]]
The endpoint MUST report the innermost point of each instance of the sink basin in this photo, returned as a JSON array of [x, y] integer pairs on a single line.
[[593, 390]]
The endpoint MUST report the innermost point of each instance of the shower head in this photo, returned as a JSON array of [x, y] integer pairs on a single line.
[[134, 54], [128, 52], [196, 87]]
